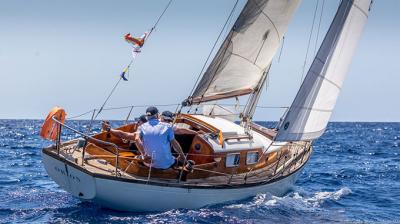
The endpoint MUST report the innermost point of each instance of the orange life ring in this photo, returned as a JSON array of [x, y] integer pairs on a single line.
[[50, 128]]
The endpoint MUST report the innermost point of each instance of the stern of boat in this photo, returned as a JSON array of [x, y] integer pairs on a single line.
[[80, 184]]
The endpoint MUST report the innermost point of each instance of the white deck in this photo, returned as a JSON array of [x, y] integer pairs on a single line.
[[258, 141]]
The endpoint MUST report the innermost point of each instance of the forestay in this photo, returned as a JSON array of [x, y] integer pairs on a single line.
[[310, 111], [247, 50]]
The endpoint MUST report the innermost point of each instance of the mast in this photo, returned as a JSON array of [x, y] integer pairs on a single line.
[[250, 108], [312, 107]]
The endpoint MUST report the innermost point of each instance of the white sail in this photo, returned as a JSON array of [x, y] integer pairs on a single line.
[[310, 111], [247, 51]]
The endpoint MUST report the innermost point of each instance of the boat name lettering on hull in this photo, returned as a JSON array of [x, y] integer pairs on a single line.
[[70, 176]]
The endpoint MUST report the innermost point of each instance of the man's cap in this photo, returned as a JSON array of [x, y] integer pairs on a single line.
[[143, 118], [167, 115], [151, 111]]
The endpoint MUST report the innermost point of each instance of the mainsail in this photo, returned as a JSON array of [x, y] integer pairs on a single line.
[[247, 51], [310, 111]]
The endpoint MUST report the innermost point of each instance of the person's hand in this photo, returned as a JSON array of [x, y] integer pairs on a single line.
[[147, 159], [180, 158]]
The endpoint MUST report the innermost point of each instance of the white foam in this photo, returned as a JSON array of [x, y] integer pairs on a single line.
[[293, 200], [321, 197]]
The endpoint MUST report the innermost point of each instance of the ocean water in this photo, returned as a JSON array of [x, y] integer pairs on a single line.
[[352, 176]]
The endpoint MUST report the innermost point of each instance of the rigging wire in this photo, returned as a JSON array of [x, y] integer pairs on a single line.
[[162, 14], [80, 115], [280, 53], [213, 47], [112, 91], [131, 62], [108, 97], [140, 106], [168, 105], [228, 40], [309, 41], [319, 26]]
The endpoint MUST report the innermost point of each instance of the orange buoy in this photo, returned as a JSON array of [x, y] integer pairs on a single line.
[[50, 128]]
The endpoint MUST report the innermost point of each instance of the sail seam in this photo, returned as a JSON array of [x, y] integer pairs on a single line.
[[309, 95], [229, 41], [259, 51], [361, 10], [326, 79], [273, 24], [215, 44], [307, 133], [316, 109], [248, 60], [347, 6]]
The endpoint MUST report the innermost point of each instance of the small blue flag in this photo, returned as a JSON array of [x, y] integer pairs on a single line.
[[124, 73]]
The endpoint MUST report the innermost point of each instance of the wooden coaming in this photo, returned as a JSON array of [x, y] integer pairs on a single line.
[[205, 153], [200, 151], [104, 136], [135, 167]]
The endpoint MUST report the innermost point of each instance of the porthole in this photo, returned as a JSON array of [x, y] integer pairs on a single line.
[[197, 147]]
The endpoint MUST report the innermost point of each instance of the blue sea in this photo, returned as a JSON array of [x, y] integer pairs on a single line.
[[352, 176]]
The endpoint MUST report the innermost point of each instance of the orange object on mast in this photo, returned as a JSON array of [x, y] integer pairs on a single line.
[[50, 128], [136, 41]]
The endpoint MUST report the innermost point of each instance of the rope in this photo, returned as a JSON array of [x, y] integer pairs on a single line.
[[309, 41], [319, 26]]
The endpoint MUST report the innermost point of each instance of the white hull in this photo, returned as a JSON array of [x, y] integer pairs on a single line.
[[128, 195]]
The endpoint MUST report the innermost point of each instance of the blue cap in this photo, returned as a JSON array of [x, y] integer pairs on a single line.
[[143, 118], [167, 115], [151, 111]]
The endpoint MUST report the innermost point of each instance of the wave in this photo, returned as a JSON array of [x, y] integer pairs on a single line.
[[296, 200]]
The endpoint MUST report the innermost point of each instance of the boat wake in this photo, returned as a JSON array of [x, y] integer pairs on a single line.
[[297, 206], [297, 200]]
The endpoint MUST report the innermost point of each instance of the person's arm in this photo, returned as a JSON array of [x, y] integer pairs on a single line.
[[118, 133], [177, 147], [175, 144], [122, 134], [139, 143]]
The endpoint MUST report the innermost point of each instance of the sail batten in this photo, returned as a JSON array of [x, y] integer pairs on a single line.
[[312, 107], [247, 51]]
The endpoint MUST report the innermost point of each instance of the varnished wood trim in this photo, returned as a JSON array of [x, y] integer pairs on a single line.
[[150, 182]]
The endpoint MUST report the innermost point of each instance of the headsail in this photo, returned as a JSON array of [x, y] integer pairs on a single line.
[[247, 50], [310, 111]]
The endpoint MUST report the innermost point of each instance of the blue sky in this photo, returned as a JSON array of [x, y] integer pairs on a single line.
[[70, 53]]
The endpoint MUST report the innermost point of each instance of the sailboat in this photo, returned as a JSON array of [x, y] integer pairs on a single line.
[[230, 160]]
